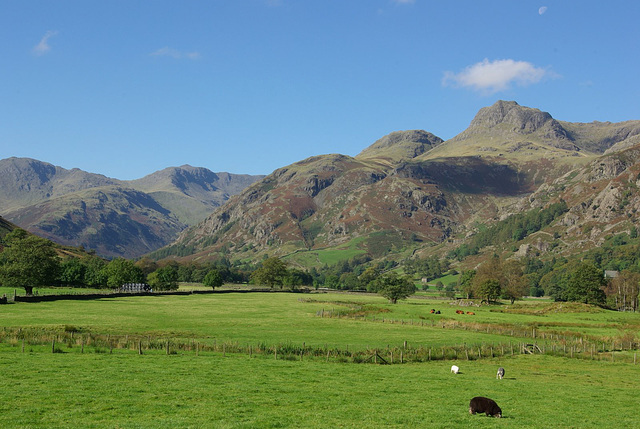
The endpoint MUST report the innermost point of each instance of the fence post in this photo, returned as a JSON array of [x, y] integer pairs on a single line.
[[53, 345]]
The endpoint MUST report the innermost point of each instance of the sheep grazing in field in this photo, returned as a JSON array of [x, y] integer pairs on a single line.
[[480, 404], [455, 369], [500, 373]]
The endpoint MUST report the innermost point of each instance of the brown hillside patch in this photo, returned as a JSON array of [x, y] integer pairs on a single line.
[[556, 307]]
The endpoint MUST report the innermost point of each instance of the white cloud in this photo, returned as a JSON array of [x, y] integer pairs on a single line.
[[542, 10], [43, 47], [495, 76], [174, 53], [404, 1]]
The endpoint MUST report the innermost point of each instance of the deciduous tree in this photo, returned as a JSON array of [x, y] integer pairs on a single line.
[[213, 279], [120, 271], [585, 285], [271, 272], [515, 284], [27, 261], [393, 287]]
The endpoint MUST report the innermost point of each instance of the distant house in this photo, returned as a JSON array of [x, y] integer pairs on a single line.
[[611, 274]]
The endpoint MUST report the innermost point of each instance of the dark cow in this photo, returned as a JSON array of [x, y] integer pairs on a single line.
[[500, 373], [459, 312], [480, 404]]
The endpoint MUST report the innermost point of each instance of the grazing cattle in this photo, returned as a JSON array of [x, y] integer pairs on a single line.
[[438, 312], [471, 313], [500, 373], [459, 312], [480, 404], [433, 310], [455, 369]]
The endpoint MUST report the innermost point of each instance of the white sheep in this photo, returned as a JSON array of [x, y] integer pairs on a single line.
[[454, 369]]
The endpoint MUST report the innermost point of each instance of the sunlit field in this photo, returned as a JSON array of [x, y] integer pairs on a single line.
[[66, 379]]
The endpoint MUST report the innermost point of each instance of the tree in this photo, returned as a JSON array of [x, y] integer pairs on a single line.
[[72, 272], [120, 271], [465, 282], [164, 278], [349, 281], [296, 277], [394, 287], [488, 281], [515, 284], [623, 291], [271, 272], [213, 279], [94, 274], [585, 285], [488, 289], [27, 261], [369, 275]]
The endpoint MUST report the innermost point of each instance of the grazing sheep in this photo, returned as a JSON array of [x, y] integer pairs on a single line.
[[454, 369], [480, 404], [500, 373]]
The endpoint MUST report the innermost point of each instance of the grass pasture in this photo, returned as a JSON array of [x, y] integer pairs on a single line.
[[101, 386]]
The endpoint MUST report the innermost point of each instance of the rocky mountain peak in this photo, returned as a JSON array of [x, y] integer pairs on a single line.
[[505, 118], [521, 118], [401, 144]]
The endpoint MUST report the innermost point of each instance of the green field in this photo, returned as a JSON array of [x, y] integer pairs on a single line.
[[114, 386]]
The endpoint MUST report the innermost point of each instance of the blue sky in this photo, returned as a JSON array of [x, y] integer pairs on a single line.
[[125, 88]]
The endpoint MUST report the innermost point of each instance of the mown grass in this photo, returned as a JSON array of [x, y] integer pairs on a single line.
[[237, 391]]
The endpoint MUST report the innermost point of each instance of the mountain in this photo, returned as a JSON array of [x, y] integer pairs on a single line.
[[191, 193], [113, 217], [409, 192]]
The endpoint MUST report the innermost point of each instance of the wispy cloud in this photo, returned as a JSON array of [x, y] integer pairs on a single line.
[[404, 1], [494, 76], [542, 10], [174, 53], [43, 47]]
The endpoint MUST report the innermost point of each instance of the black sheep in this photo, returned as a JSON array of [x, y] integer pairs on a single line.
[[480, 404]]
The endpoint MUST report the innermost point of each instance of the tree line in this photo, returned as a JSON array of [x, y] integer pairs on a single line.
[[27, 261]]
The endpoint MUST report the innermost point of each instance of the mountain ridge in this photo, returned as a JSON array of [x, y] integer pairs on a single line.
[[407, 191], [117, 218]]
